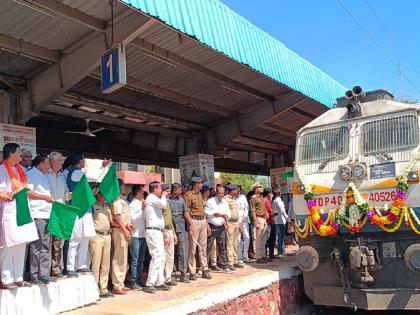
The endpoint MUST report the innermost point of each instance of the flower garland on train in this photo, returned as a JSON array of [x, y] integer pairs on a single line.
[[354, 211]]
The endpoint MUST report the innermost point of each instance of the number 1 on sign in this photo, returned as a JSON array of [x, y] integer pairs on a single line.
[[109, 66]]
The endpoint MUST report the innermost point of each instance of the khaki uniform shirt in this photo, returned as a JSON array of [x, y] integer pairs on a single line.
[[258, 206], [233, 207], [120, 206], [102, 217], [167, 217], [195, 203]]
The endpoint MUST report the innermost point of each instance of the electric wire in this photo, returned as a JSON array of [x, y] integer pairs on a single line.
[[378, 46], [392, 37]]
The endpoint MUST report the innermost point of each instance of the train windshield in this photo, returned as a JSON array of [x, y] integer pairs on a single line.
[[324, 145], [390, 134]]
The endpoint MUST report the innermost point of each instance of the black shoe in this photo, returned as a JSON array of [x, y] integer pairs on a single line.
[[135, 287], [48, 278], [193, 277], [238, 265], [173, 279], [58, 275], [261, 261], [216, 268], [268, 259], [231, 268], [72, 274], [184, 279], [163, 287], [149, 289], [206, 275], [142, 284], [23, 284], [170, 283], [84, 270], [107, 295], [39, 281]]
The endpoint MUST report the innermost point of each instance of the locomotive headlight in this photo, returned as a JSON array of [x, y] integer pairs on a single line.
[[345, 172], [413, 176], [301, 188], [359, 170]]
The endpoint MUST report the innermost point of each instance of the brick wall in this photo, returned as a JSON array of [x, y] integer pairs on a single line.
[[281, 297]]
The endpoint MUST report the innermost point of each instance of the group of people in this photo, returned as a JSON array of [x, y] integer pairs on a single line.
[[195, 232]]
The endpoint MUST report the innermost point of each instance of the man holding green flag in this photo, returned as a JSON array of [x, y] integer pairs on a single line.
[[13, 236], [78, 259]]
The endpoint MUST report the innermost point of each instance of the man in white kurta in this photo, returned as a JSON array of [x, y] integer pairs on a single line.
[[78, 258], [13, 238], [244, 237], [155, 203]]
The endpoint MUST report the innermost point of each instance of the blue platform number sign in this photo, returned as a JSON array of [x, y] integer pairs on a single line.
[[113, 69]]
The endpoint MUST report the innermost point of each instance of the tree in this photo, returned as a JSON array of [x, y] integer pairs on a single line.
[[244, 180]]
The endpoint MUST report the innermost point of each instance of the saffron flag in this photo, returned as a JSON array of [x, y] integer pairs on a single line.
[[109, 187], [23, 215], [83, 197], [62, 220]]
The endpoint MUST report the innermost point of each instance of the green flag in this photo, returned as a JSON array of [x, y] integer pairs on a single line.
[[83, 197], [287, 175], [23, 215], [62, 220], [109, 187]]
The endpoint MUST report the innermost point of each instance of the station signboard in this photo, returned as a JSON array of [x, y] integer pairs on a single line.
[[24, 136], [113, 69], [201, 165]]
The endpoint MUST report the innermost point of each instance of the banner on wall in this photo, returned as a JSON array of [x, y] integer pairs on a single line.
[[24, 136], [201, 165]]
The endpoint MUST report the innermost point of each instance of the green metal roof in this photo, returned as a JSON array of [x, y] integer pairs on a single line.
[[217, 26]]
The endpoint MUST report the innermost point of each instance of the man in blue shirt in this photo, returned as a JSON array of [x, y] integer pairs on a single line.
[[178, 209]]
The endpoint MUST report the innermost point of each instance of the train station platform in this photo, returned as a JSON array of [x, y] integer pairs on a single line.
[[57, 297], [271, 288]]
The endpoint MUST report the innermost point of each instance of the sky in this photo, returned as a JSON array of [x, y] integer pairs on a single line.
[[324, 34]]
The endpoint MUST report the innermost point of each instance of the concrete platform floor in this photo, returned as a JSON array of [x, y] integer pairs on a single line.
[[200, 294]]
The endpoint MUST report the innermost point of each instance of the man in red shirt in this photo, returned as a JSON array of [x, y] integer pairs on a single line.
[[271, 230]]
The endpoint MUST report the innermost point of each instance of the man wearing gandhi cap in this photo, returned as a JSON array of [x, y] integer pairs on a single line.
[[198, 228]]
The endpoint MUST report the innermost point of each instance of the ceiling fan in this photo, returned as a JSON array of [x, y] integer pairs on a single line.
[[87, 132]]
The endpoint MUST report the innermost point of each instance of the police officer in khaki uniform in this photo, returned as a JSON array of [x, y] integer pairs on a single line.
[[100, 245], [121, 237], [198, 228], [259, 213], [233, 228]]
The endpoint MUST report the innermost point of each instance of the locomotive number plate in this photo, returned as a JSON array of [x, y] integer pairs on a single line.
[[388, 250]]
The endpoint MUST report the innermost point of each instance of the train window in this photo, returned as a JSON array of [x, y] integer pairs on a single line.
[[324, 145], [390, 134]]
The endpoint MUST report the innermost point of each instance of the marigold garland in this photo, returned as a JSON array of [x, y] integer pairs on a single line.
[[359, 210], [411, 223]]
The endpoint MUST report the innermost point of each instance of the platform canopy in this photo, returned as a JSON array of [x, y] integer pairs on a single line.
[[200, 79]]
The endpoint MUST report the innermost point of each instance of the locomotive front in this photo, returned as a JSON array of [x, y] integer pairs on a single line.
[[356, 197]]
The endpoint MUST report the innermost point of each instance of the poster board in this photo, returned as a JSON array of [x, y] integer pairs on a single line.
[[277, 180], [24, 136], [197, 165]]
